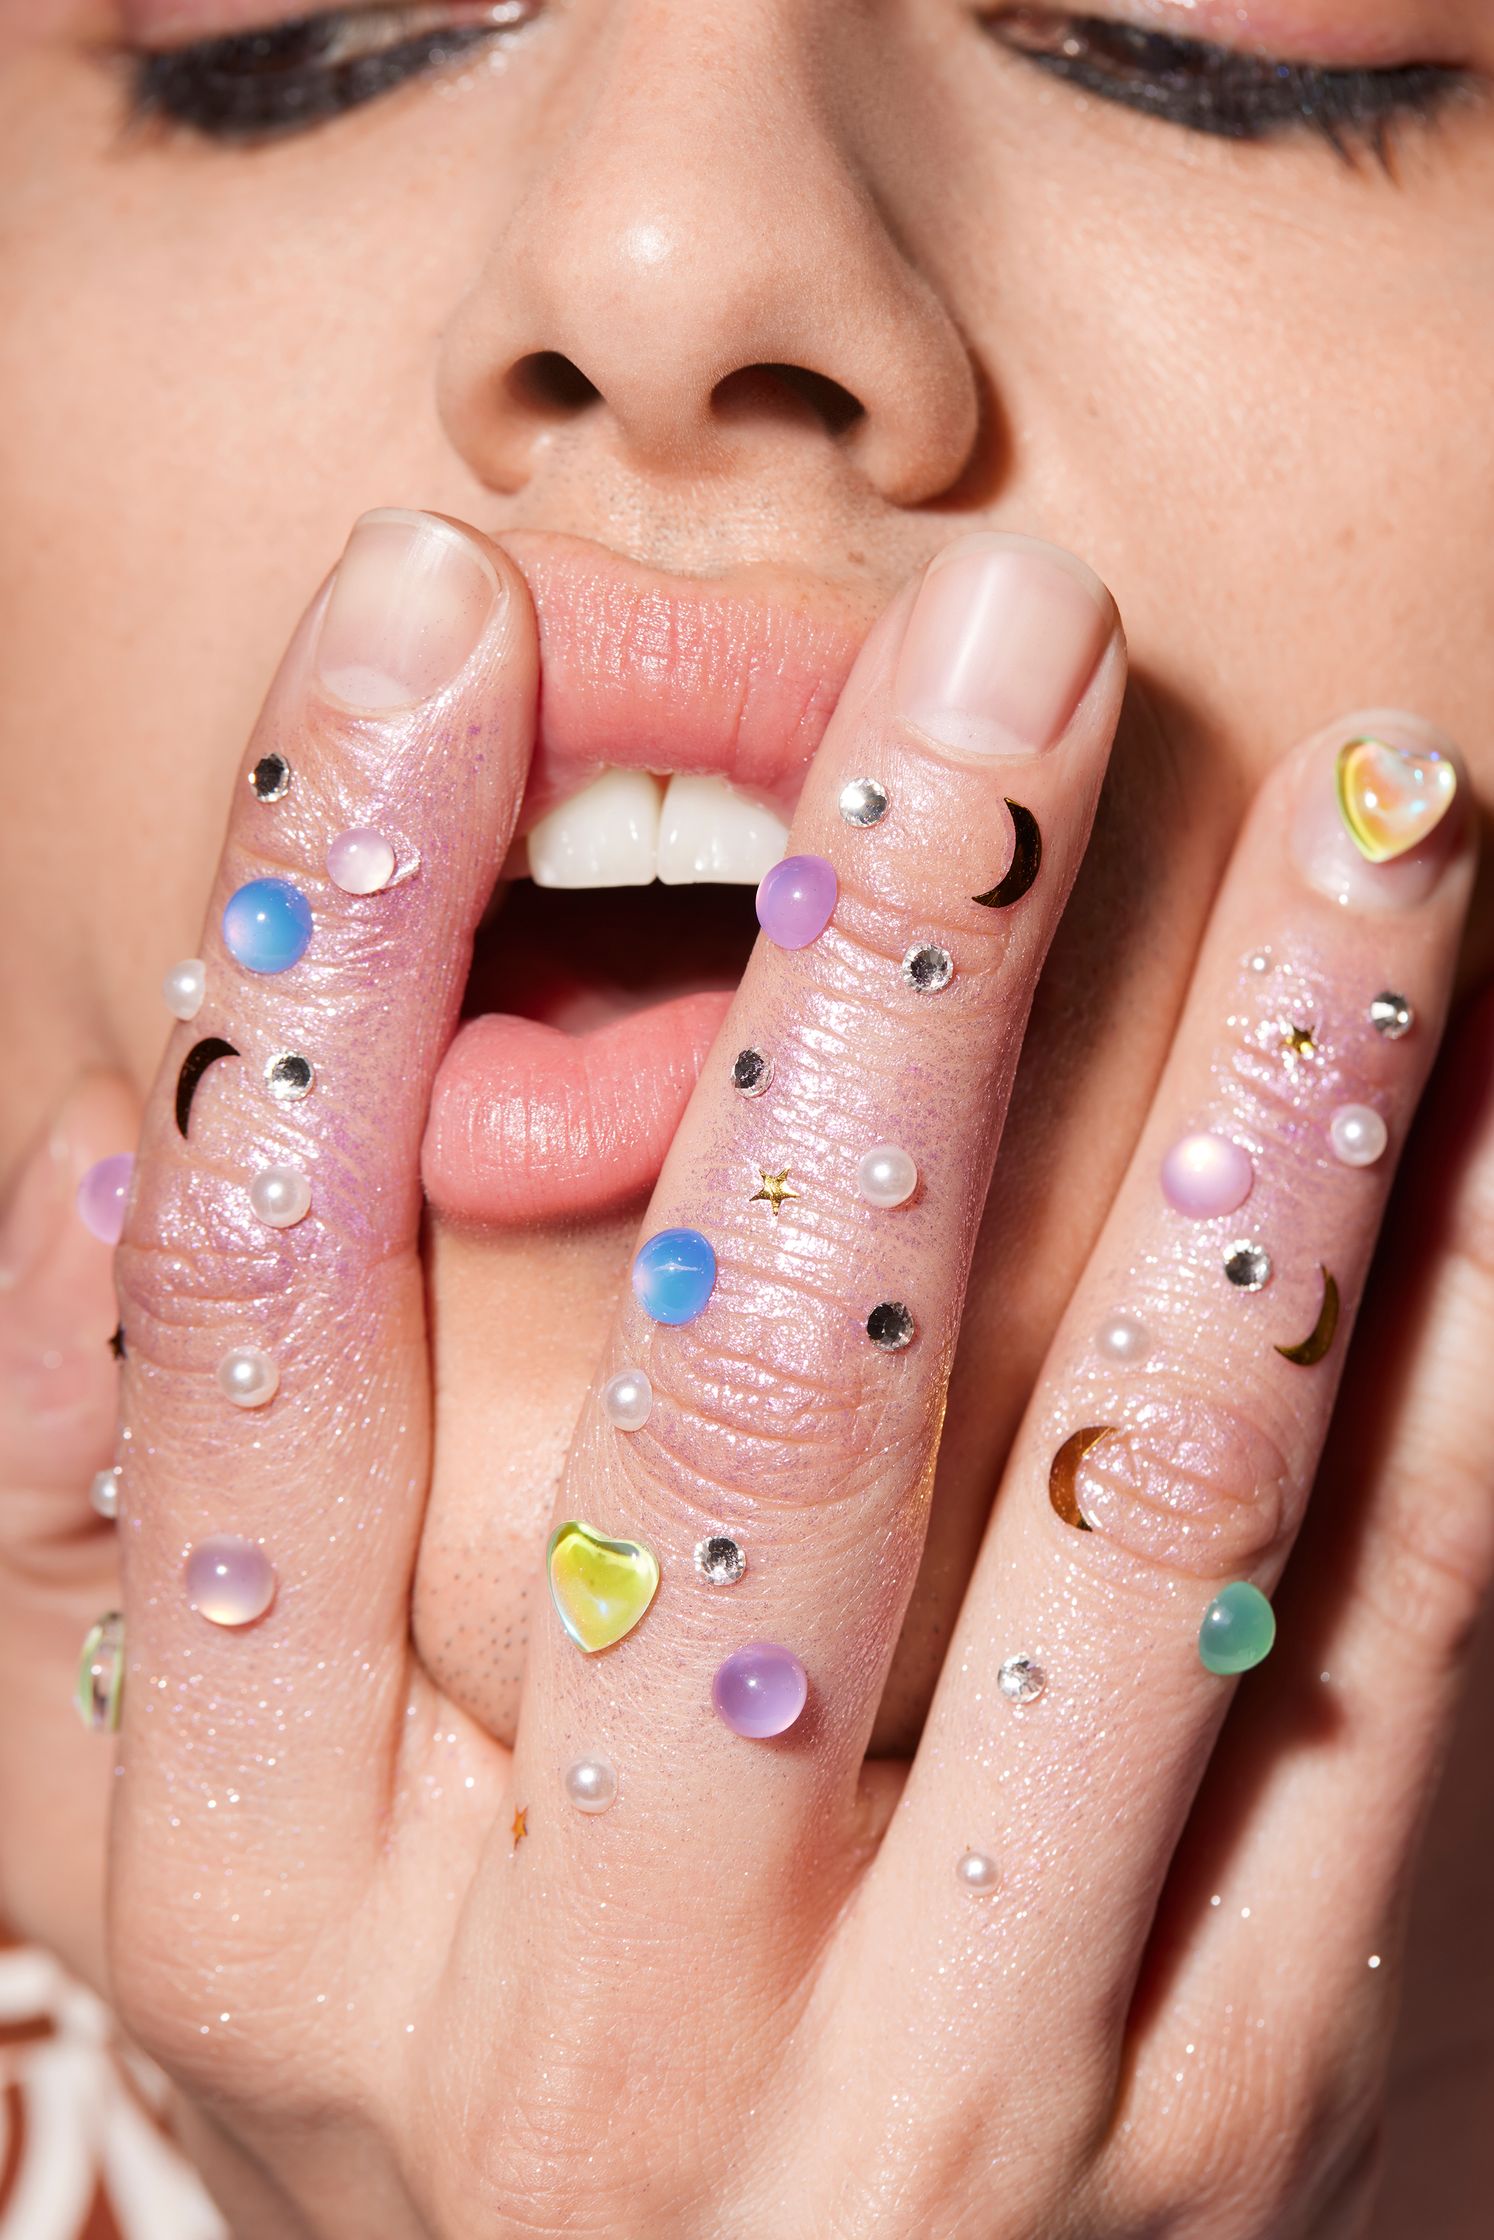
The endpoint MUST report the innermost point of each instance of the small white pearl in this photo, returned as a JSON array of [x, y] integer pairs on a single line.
[[886, 1176], [628, 1399], [247, 1378], [281, 1196], [1358, 1135], [979, 1874], [103, 1494], [591, 1784], [183, 988], [1122, 1338]]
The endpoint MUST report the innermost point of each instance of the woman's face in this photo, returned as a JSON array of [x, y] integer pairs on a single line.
[[725, 317]]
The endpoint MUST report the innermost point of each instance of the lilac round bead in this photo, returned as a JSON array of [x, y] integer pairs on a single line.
[[230, 1582], [360, 861], [760, 1690], [796, 899], [1205, 1175], [102, 1194]]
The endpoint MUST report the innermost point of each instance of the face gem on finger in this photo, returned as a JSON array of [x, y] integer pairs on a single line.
[[1358, 1135], [720, 1560], [117, 1342], [360, 861], [1238, 1629], [289, 1077], [1247, 1265], [103, 1494], [591, 1785], [886, 1176], [1027, 857], [796, 900], [1206, 1175], [195, 1064], [98, 1692], [1298, 1043], [1063, 1494], [774, 1190], [1309, 1351], [1021, 1681], [628, 1400], [760, 1690], [247, 1378], [751, 1073], [978, 1873], [1122, 1338], [890, 1326], [230, 1581], [270, 778], [600, 1587], [183, 988], [520, 1827], [1391, 798], [102, 1194], [267, 926], [864, 801], [1391, 1015], [280, 1196], [928, 968], [674, 1275]]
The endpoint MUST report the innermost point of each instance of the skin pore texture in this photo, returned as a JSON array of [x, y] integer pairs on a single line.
[[1245, 380]]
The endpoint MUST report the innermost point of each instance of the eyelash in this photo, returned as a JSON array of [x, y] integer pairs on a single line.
[[260, 85]]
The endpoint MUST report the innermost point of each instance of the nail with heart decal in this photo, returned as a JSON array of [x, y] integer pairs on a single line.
[[1392, 798], [1374, 827], [600, 1587]]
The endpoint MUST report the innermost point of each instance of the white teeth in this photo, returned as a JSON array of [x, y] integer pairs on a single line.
[[708, 832], [607, 836], [627, 828]]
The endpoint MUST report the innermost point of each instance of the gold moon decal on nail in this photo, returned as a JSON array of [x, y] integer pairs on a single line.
[[1061, 1492], [1312, 1348], [1027, 856], [194, 1066]]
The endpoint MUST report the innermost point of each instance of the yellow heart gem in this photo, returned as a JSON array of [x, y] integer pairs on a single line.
[[1392, 797], [600, 1587]]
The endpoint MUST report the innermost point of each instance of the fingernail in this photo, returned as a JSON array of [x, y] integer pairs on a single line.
[[1377, 817], [411, 598], [1004, 637]]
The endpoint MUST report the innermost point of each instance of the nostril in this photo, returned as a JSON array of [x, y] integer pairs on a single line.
[[786, 391], [552, 385]]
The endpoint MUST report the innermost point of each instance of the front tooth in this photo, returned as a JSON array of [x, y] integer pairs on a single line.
[[607, 836], [708, 832]]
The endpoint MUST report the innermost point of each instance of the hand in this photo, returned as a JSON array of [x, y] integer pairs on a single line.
[[408, 1986]]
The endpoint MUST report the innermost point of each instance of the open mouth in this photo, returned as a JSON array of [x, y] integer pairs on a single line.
[[676, 721]]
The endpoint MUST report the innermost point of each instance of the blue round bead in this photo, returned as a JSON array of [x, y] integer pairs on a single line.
[[674, 1275], [267, 925]]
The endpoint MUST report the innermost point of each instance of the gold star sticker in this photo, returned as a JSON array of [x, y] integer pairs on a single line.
[[1297, 1042], [774, 1191], [521, 1825]]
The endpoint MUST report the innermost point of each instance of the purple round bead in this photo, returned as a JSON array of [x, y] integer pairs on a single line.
[[760, 1690], [102, 1194], [230, 1582], [795, 900], [1206, 1175]]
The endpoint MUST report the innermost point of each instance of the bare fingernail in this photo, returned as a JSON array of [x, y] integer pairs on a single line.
[[1379, 812], [1004, 637], [411, 598]]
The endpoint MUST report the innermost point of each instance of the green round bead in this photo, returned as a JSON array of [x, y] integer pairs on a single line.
[[1238, 1629]]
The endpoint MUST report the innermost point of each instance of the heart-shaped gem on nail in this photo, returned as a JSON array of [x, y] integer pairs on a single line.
[[1392, 797], [600, 1587]]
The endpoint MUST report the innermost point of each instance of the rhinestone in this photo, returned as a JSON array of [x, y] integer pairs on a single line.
[[863, 801], [1021, 1681], [890, 1326], [720, 1560], [752, 1073], [928, 968], [1248, 1265], [103, 1494], [270, 778], [99, 1688], [289, 1076], [1391, 1015]]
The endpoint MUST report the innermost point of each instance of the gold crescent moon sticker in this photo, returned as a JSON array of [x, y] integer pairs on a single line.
[[1061, 1493], [1027, 855], [1311, 1349]]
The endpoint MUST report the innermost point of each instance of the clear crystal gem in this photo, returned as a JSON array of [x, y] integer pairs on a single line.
[[1391, 1015], [752, 1073], [289, 1076], [1247, 1265], [270, 778], [720, 1560], [928, 968], [890, 1326], [1021, 1681], [863, 801]]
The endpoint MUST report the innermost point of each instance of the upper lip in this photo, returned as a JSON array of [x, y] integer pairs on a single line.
[[736, 674]]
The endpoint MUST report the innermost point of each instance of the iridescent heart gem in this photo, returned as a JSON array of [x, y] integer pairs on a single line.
[[600, 1587], [1392, 797]]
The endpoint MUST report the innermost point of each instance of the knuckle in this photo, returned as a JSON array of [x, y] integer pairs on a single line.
[[1433, 1559]]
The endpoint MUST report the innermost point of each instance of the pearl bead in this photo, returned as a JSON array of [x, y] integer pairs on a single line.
[[247, 1378], [230, 1582], [886, 1176], [102, 1194], [979, 1874], [182, 989], [360, 861], [674, 1275], [1358, 1135], [628, 1399], [267, 925], [103, 1494], [1206, 1175], [591, 1784], [1122, 1338], [796, 900], [281, 1196], [760, 1690]]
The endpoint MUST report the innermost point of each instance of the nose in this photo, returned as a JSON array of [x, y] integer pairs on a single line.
[[700, 268]]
